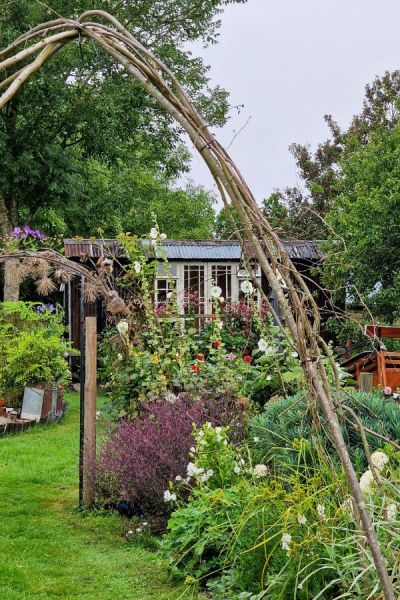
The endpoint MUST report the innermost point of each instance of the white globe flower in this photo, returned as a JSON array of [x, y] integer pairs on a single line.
[[123, 327], [153, 233], [302, 519], [321, 511], [260, 471], [216, 291], [285, 541], [247, 287], [391, 511], [379, 460], [137, 267], [163, 236], [367, 482]]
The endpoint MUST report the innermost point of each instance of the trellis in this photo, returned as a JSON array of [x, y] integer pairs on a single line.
[[296, 303]]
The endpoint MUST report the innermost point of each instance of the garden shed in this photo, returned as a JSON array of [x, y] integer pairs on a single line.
[[194, 267]]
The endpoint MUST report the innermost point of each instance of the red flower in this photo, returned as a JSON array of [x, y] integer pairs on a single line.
[[217, 344], [1, 403], [200, 357], [195, 368], [247, 359]]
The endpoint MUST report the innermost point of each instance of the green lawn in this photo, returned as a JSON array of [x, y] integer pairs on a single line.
[[50, 550]]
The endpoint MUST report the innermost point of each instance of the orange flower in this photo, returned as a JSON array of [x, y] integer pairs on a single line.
[[200, 357], [247, 359], [195, 368]]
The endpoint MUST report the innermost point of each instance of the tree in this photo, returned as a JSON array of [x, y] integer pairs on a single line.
[[82, 106], [363, 244], [320, 171]]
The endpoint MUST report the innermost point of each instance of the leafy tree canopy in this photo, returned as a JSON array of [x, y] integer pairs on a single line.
[[82, 118]]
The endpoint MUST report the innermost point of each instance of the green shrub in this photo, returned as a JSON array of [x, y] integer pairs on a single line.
[[32, 347], [283, 421]]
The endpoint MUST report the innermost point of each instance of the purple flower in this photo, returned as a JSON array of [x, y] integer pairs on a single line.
[[26, 231]]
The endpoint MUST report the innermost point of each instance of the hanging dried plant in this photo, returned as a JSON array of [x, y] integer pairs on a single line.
[[116, 305], [36, 267], [62, 276], [91, 292], [45, 286], [105, 267]]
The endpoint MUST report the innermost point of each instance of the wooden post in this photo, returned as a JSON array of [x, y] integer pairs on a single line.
[[366, 382], [89, 438]]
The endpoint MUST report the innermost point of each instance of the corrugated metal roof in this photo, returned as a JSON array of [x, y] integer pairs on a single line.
[[187, 250], [204, 250]]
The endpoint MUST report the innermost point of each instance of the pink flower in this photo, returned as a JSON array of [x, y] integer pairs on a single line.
[[231, 357], [387, 391]]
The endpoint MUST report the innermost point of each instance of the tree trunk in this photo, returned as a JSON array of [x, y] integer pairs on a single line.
[[11, 267]]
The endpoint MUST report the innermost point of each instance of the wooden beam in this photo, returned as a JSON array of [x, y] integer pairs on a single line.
[[89, 447]]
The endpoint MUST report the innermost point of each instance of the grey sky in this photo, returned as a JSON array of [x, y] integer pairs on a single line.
[[290, 62]]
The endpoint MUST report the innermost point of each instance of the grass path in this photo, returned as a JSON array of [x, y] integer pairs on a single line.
[[50, 550]]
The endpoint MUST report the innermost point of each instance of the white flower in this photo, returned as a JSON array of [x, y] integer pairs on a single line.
[[247, 287], [210, 472], [294, 355], [218, 429], [321, 511], [391, 511], [379, 460], [145, 523], [262, 345], [123, 327], [221, 325], [206, 476], [203, 442], [268, 378], [302, 519], [193, 449], [153, 242], [119, 356], [256, 439], [177, 478], [153, 233], [163, 236], [216, 291], [168, 497], [137, 267], [236, 469], [169, 295], [260, 471], [286, 539], [367, 481], [221, 299], [130, 532], [138, 529], [192, 470]]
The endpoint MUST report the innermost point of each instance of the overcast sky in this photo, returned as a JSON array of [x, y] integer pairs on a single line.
[[290, 62]]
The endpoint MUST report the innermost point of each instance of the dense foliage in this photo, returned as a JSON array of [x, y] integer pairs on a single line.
[[32, 348], [84, 139]]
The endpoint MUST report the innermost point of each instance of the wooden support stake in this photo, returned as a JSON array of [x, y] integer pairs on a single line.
[[89, 448], [366, 382]]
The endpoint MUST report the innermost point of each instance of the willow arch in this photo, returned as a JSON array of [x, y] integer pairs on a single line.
[[298, 308]]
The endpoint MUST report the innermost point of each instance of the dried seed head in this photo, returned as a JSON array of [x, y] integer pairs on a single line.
[[62, 276], [117, 306], [91, 292], [37, 267], [45, 286]]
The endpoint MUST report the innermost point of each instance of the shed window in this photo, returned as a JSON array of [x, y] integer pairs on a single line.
[[163, 287], [222, 277], [194, 285]]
